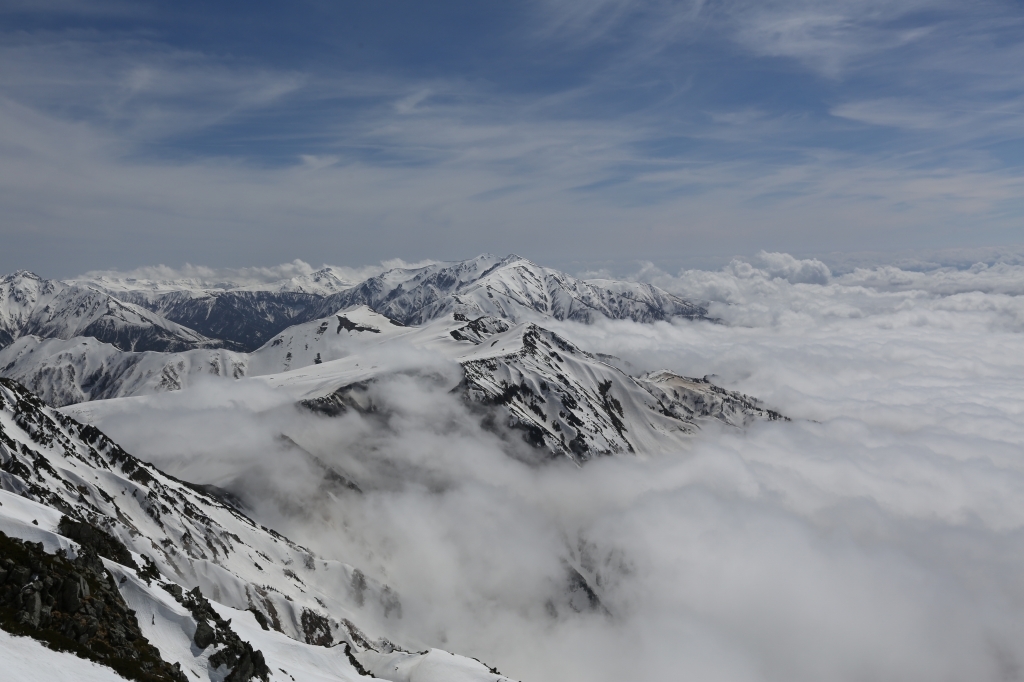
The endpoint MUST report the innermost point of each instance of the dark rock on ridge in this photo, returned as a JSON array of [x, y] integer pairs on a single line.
[[238, 655]]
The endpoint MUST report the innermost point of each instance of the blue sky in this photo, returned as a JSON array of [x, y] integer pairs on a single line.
[[574, 133]]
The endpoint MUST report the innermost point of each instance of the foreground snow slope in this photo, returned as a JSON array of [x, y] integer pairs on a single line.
[[54, 467], [189, 534], [26, 659]]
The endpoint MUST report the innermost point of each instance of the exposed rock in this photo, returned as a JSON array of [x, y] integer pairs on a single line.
[[74, 606], [244, 662], [205, 635]]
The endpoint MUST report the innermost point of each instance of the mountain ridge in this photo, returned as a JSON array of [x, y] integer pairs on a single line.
[[31, 305], [510, 287]]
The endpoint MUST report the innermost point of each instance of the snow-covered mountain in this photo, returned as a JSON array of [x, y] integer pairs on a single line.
[[213, 594], [265, 606], [323, 282], [30, 305], [486, 314], [64, 372], [244, 314], [563, 399], [511, 288], [245, 319]]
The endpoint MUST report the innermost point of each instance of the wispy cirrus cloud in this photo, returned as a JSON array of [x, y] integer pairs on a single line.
[[705, 126]]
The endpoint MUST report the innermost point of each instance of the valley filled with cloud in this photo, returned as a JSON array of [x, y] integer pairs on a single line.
[[876, 535]]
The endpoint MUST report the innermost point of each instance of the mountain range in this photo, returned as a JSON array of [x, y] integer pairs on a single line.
[[216, 594]]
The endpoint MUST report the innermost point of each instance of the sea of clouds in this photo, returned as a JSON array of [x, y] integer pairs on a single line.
[[166, 277], [877, 535]]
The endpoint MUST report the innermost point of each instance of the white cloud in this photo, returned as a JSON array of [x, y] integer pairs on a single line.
[[878, 535], [828, 37], [794, 271], [226, 278], [121, 150], [140, 91]]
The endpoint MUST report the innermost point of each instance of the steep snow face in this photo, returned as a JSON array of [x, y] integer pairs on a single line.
[[189, 535], [51, 309], [578, 406], [298, 610], [21, 294], [566, 399], [512, 288]]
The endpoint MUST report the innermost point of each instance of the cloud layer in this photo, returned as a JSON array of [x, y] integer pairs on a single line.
[[878, 535], [226, 278]]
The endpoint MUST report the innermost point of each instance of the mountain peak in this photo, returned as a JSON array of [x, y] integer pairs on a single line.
[[21, 275]]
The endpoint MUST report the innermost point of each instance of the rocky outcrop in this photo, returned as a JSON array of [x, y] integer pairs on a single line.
[[74, 606], [237, 655]]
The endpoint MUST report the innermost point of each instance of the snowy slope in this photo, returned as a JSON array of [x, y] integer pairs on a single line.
[[64, 372], [336, 336], [83, 368], [562, 398], [30, 305], [186, 532], [26, 659], [53, 466]]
